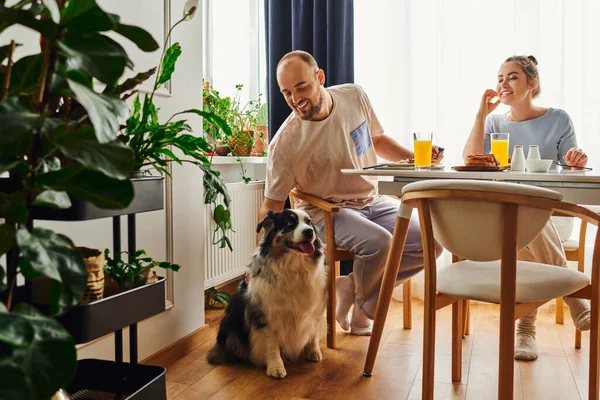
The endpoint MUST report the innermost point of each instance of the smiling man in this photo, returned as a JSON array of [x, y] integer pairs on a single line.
[[330, 129]]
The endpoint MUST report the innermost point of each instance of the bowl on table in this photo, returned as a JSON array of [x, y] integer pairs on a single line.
[[538, 165]]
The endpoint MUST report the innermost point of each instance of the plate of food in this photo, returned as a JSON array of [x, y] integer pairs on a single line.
[[481, 162], [409, 163]]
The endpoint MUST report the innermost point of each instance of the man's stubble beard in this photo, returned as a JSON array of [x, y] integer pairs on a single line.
[[314, 110]]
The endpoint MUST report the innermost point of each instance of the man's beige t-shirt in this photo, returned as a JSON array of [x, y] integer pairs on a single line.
[[310, 154]]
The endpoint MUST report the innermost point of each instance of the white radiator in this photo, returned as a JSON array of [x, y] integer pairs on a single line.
[[223, 264]]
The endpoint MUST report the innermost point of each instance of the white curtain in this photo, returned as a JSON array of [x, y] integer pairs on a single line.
[[425, 64]]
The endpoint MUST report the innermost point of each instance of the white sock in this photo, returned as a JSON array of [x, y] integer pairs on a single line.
[[360, 324], [344, 290], [580, 312], [525, 345]]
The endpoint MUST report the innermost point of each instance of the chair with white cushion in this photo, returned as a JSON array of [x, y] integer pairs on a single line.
[[486, 224]]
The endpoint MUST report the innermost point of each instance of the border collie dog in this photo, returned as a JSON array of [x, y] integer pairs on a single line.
[[278, 313]]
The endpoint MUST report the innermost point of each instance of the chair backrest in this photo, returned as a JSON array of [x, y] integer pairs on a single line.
[[472, 227]]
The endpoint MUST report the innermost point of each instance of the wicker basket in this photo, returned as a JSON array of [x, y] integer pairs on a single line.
[[94, 261]]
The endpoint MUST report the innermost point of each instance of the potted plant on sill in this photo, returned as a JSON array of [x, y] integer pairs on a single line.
[[58, 141], [261, 137]]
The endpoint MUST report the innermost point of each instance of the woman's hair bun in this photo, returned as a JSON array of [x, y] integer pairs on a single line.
[[533, 59]]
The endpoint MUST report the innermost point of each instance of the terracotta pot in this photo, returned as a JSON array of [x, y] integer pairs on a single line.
[[260, 144]]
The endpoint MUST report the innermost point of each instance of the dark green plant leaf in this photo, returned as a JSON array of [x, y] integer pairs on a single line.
[[51, 359], [104, 111], [212, 118], [12, 207], [168, 65], [130, 84], [114, 159], [137, 35], [53, 9], [53, 255], [214, 182], [14, 382], [18, 166], [93, 186], [97, 55], [7, 238], [12, 16], [15, 120], [54, 199], [15, 330], [85, 16]]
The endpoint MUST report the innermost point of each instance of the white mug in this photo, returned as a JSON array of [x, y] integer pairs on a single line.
[[534, 152]]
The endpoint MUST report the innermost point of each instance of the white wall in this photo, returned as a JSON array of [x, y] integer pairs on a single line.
[[186, 92]]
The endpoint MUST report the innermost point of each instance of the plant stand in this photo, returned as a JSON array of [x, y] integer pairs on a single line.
[[101, 379]]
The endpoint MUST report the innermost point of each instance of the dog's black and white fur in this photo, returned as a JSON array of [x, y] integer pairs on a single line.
[[277, 315]]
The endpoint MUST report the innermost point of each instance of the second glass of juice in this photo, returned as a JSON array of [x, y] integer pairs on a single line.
[[500, 147], [422, 142]]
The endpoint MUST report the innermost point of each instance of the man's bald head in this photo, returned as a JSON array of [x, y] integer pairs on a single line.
[[299, 54]]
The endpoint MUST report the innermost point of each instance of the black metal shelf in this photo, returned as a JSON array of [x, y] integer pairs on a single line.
[[96, 319], [101, 379], [148, 196]]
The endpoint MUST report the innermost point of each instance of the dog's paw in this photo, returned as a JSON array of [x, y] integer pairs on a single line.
[[276, 372], [314, 355]]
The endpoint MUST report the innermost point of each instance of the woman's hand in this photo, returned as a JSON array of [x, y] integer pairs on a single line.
[[487, 105], [576, 157]]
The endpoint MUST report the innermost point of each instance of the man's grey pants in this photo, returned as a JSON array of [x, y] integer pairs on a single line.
[[367, 232]]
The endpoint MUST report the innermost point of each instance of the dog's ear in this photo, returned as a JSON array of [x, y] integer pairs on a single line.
[[267, 222]]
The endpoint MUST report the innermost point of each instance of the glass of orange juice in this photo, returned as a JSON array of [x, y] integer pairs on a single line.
[[422, 142], [500, 147]]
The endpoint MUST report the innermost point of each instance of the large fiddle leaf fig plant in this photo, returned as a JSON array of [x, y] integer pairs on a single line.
[[58, 142]]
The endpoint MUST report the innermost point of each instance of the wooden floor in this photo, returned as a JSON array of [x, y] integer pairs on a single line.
[[560, 372]]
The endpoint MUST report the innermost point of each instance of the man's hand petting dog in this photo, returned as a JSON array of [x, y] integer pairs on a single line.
[[277, 312]]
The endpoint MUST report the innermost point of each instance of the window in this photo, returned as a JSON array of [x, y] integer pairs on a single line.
[[235, 47]]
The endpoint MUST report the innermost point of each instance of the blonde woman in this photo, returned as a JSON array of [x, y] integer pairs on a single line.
[[550, 128]]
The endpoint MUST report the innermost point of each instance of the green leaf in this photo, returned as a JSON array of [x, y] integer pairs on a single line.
[[104, 111], [130, 83], [53, 255], [54, 199], [7, 238], [12, 207], [14, 382], [51, 359], [213, 182], [53, 9], [15, 120], [96, 55], [85, 16], [168, 65], [114, 159], [93, 186], [19, 166], [15, 330], [12, 16], [137, 35], [212, 118]]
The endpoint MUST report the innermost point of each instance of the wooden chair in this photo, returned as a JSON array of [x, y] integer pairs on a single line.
[[486, 221], [333, 256], [574, 252]]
